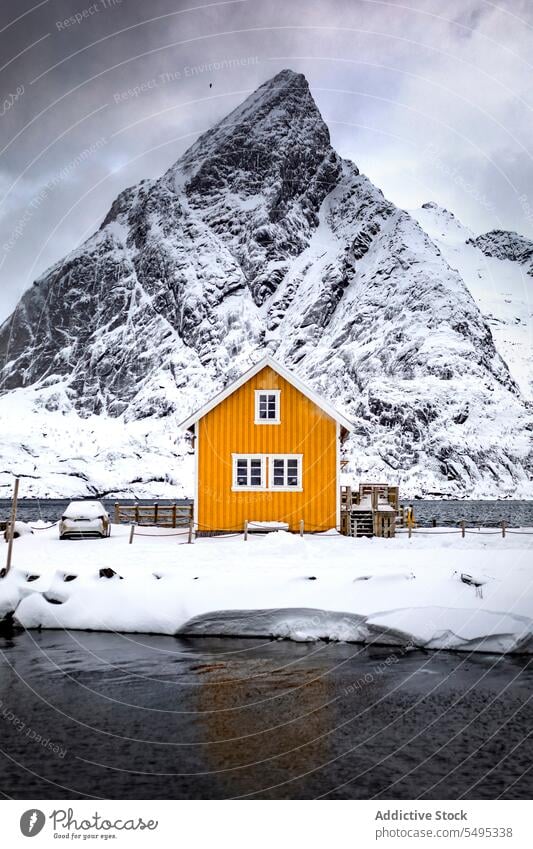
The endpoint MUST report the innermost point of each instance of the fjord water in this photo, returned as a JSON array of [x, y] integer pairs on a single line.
[[132, 716], [443, 511]]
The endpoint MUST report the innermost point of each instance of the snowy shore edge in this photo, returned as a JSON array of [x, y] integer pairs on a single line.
[[399, 593]]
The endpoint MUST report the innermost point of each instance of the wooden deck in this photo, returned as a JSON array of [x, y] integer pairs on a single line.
[[372, 510]]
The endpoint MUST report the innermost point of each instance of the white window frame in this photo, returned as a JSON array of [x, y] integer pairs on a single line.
[[277, 419], [248, 488], [285, 487]]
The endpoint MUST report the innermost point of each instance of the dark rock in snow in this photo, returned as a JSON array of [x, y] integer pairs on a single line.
[[107, 572], [504, 244]]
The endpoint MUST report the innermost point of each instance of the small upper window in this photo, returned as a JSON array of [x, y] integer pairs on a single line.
[[267, 406]]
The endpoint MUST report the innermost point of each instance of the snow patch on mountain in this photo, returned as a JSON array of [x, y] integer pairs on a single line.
[[58, 454], [497, 268]]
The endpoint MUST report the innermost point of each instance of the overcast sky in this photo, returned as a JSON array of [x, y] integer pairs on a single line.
[[432, 100]]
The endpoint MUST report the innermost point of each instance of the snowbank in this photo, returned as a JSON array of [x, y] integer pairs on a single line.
[[394, 592], [10, 595]]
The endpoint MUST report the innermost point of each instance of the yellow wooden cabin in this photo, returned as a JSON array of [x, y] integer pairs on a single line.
[[267, 450]]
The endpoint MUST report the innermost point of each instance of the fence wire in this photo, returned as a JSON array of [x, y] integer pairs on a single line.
[[318, 533], [162, 536]]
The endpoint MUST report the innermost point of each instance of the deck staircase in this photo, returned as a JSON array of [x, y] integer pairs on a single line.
[[362, 523], [372, 510]]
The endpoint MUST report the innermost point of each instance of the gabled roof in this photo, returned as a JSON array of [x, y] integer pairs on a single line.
[[283, 372]]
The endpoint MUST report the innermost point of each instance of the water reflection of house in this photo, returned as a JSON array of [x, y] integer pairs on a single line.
[[271, 722]]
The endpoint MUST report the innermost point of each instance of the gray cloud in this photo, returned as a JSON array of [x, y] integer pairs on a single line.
[[432, 102]]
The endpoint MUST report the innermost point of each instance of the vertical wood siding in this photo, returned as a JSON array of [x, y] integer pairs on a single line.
[[229, 429]]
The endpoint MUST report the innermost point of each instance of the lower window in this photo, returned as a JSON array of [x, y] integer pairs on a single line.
[[285, 472], [249, 471], [267, 471]]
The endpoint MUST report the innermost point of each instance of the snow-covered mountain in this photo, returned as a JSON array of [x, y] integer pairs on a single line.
[[260, 238], [497, 268]]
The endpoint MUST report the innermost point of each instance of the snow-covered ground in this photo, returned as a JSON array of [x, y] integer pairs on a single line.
[[405, 592]]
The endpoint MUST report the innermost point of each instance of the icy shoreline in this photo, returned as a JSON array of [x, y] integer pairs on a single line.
[[388, 592]]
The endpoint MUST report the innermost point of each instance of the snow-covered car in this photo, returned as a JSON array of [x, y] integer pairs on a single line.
[[84, 519]]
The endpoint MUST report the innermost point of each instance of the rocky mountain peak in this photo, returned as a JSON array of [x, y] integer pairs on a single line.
[[275, 143], [258, 178], [280, 114]]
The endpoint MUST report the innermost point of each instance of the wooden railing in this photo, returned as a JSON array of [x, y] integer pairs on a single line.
[[378, 499], [160, 515]]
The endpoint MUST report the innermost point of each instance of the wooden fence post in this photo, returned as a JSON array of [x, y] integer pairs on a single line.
[[132, 531], [503, 528], [156, 513], [463, 528], [189, 539], [137, 513], [12, 525], [173, 515], [301, 527], [434, 523], [246, 530], [117, 513]]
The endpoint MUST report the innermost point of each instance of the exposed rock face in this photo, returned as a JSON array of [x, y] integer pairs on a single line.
[[261, 238], [503, 244]]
